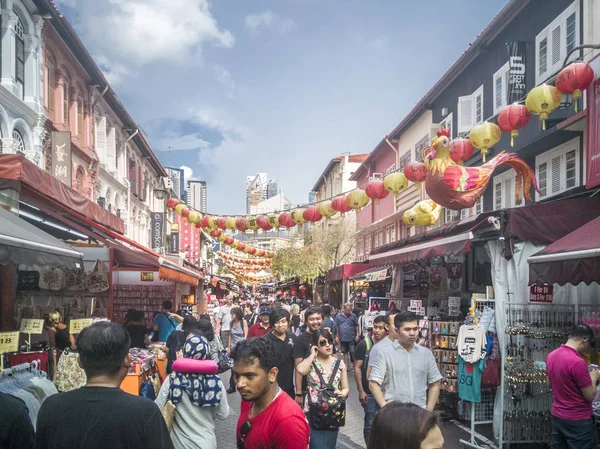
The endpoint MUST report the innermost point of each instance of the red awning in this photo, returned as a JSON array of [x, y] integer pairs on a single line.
[[573, 259], [16, 172], [345, 271]]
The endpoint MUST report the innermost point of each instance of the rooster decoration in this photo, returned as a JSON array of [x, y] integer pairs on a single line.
[[424, 213], [457, 187]]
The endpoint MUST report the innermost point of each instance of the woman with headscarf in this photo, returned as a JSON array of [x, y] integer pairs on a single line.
[[199, 400]]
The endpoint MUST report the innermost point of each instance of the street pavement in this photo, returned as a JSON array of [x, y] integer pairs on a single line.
[[351, 435]]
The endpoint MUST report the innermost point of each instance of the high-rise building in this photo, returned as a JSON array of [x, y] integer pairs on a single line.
[[196, 195], [276, 203], [311, 197], [178, 178], [256, 190], [272, 188]]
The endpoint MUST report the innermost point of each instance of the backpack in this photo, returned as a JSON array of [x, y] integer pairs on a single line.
[[329, 410]]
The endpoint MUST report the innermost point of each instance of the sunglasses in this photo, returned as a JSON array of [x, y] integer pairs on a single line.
[[244, 431], [323, 343]]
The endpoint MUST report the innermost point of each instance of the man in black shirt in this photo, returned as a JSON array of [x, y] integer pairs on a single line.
[[361, 361], [283, 342], [313, 318], [100, 415], [16, 430]]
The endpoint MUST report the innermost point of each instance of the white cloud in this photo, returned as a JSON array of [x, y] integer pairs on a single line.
[[187, 142], [188, 172], [376, 43], [268, 19], [225, 80], [218, 121]]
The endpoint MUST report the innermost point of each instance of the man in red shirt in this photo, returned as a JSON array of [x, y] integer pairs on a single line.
[[573, 390], [269, 418], [263, 327]]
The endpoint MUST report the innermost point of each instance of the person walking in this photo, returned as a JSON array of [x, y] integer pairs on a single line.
[[361, 360], [348, 332], [319, 368], [328, 322], [573, 390], [392, 336], [214, 341], [283, 342], [238, 333], [199, 401], [224, 320], [269, 418], [138, 332], [250, 314], [263, 326], [313, 316], [295, 320], [163, 323], [405, 370], [100, 415]]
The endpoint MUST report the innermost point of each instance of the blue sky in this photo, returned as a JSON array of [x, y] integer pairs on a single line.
[[236, 87]]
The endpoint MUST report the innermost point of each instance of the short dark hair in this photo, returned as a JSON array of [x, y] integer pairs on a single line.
[[404, 317], [239, 315], [582, 332], [256, 348], [189, 325], [325, 333], [390, 313], [312, 311], [138, 316], [206, 328], [277, 314], [381, 319], [167, 305], [416, 424], [103, 347], [326, 310]]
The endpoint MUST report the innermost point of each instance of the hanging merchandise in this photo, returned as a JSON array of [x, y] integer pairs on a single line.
[[424, 213], [471, 343], [469, 379], [484, 137], [512, 118], [75, 280], [461, 150], [28, 280], [377, 191], [357, 199], [52, 279], [574, 79], [97, 279], [542, 100], [68, 374]]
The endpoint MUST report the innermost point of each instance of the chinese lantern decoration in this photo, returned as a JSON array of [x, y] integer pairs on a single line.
[[199, 224], [263, 223], [357, 199], [312, 214], [179, 208], [285, 220], [241, 246], [340, 205], [415, 172], [574, 78], [274, 221], [461, 150], [326, 210], [204, 222], [221, 223], [241, 225], [252, 251], [261, 253], [216, 233], [512, 118], [194, 217], [484, 137], [395, 182], [212, 222], [185, 212], [298, 217], [172, 202], [221, 237], [542, 100], [376, 191], [228, 240], [230, 224], [302, 288], [252, 224]]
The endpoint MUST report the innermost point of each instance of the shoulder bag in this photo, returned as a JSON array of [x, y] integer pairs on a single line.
[[329, 411]]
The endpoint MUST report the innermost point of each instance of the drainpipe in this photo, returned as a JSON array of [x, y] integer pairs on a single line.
[[101, 95], [135, 133]]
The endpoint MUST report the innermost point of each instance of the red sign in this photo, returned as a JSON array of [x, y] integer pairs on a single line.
[[593, 130], [540, 293]]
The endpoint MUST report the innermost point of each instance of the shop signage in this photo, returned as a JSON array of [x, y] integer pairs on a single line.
[[592, 178], [32, 326], [157, 230], [517, 77], [147, 276], [76, 326], [453, 306], [541, 293], [9, 342], [175, 226], [376, 276], [188, 299], [173, 243], [61, 156], [416, 306]]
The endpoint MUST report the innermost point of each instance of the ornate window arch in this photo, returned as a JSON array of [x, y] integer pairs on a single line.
[[108, 200], [18, 142], [80, 180]]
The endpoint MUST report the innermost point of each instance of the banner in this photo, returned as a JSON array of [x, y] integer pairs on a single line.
[[173, 243], [61, 156], [516, 85], [592, 178], [157, 230]]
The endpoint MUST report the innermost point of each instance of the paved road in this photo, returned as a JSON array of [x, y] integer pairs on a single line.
[[351, 435]]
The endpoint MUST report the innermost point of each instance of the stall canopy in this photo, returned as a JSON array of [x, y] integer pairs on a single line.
[[23, 243], [374, 274], [573, 259], [346, 271]]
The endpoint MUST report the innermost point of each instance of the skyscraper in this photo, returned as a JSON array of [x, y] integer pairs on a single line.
[[311, 197], [256, 190], [196, 195], [272, 188], [178, 179]]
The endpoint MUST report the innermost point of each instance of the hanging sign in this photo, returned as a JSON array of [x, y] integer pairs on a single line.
[[454, 306], [61, 156], [541, 293], [147, 276], [376, 276], [76, 326], [32, 326], [157, 230], [9, 342], [517, 81]]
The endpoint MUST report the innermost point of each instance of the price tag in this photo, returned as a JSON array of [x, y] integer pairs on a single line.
[[9, 342], [76, 326], [32, 326]]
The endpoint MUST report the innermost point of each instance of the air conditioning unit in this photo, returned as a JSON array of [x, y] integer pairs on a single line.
[[376, 177]]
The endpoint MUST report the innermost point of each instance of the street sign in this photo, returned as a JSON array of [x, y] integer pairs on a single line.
[[216, 246]]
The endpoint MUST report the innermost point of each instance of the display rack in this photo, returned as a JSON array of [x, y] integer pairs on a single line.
[[145, 298]]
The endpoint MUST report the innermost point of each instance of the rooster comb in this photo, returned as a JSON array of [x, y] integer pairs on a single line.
[[444, 132]]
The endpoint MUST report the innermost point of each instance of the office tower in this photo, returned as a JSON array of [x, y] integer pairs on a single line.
[[272, 188], [196, 195], [178, 179], [256, 190]]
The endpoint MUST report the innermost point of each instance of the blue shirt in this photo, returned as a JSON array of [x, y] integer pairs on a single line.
[[347, 326], [165, 325]]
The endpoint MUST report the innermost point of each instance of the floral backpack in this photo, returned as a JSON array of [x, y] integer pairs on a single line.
[[329, 410]]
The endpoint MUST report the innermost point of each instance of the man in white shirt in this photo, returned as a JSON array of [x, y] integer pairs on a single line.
[[225, 321], [392, 335], [407, 371]]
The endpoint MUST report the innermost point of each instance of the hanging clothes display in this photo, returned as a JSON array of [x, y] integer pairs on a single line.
[[469, 379], [471, 342]]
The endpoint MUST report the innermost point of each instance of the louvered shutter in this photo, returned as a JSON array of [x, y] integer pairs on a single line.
[[507, 193], [465, 114], [111, 149], [556, 45], [20, 59], [132, 176], [101, 139], [51, 89], [556, 175], [80, 120], [139, 181]]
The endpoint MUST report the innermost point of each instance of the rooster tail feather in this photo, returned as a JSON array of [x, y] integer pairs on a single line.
[[526, 177]]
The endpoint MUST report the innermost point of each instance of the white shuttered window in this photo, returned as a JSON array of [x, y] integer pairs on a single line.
[[557, 170], [111, 150], [470, 110], [101, 139], [504, 191], [500, 86]]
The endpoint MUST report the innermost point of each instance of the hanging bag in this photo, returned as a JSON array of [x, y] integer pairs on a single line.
[[329, 410], [490, 378], [69, 375], [97, 279]]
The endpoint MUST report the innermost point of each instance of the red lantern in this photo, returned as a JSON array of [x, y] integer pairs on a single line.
[[376, 191], [252, 251], [241, 225], [185, 212], [261, 253], [216, 233], [461, 150], [574, 78], [204, 222], [220, 222], [241, 247], [199, 224], [228, 240], [285, 220], [340, 205], [512, 118], [263, 223], [302, 288], [312, 214], [172, 202], [415, 171]]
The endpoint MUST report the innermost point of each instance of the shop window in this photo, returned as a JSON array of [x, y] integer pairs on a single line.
[[404, 160], [504, 191], [447, 123], [500, 88], [478, 208], [390, 233], [470, 110], [18, 142], [360, 247], [20, 54], [79, 175], [367, 245], [450, 215], [557, 170]]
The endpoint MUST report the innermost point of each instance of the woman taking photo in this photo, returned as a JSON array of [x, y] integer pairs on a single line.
[[321, 367], [295, 321], [419, 430], [237, 332]]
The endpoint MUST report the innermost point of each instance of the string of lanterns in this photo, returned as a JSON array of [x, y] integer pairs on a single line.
[[242, 260]]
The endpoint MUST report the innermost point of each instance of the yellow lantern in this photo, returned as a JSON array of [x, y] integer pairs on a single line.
[[274, 221], [485, 136], [252, 225], [357, 199], [326, 210], [542, 100], [194, 217], [212, 222], [230, 224], [179, 208], [395, 182], [298, 216]]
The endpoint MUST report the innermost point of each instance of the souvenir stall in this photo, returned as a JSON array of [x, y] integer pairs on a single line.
[[337, 290], [371, 286]]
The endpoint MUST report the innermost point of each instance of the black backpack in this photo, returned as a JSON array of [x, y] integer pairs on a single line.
[[329, 412]]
